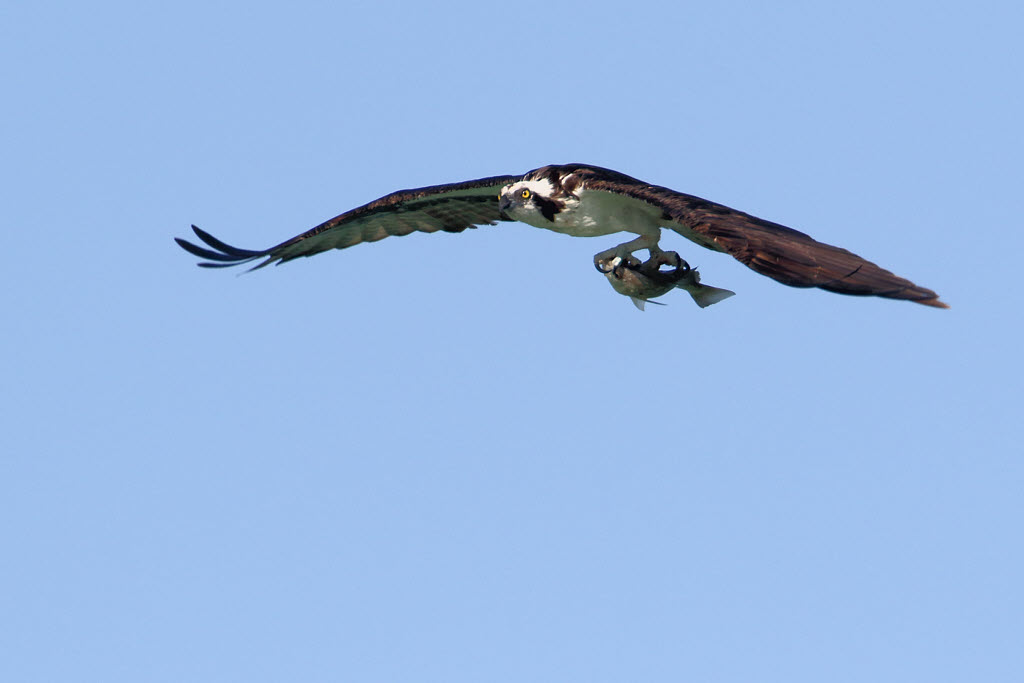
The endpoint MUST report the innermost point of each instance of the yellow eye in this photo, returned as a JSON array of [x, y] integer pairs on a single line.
[[525, 194]]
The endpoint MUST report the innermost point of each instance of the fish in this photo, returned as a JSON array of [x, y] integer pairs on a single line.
[[644, 281]]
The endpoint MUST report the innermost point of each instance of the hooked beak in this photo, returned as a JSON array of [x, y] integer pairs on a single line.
[[504, 203]]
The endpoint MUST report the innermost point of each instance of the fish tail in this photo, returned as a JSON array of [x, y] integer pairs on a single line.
[[706, 295]]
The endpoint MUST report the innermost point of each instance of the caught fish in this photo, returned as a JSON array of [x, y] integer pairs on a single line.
[[642, 282]]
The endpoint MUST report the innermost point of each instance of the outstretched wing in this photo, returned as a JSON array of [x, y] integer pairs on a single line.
[[783, 254], [451, 208]]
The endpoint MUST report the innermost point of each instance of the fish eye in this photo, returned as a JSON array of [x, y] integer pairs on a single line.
[[525, 194]]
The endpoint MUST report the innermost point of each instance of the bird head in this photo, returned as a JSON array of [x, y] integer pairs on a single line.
[[529, 201]]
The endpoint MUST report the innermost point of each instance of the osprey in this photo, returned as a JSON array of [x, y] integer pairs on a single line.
[[588, 201]]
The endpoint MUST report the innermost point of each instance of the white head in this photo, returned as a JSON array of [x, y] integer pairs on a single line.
[[530, 201]]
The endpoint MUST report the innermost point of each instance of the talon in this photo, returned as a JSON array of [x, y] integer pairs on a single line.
[[667, 258], [606, 265]]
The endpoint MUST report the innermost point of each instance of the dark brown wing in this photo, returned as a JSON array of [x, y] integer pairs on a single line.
[[781, 253], [451, 208]]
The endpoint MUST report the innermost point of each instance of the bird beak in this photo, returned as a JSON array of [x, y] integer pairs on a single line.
[[503, 205]]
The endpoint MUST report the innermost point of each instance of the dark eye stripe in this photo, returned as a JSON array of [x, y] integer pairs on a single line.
[[548, 208]]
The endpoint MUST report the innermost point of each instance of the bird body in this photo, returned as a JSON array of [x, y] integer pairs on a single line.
[[588, 201]]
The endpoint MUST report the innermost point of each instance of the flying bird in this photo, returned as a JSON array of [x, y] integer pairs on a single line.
[[587, 201]]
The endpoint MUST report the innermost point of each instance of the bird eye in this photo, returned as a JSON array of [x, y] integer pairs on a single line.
[[525, 194]]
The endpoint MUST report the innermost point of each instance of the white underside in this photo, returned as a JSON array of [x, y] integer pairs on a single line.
[[595, 213], [600, 213]]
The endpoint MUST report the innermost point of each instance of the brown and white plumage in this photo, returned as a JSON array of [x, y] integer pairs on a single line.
[[587, 201]]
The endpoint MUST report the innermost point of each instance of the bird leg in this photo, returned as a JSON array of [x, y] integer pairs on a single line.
[[626, 249], [661, 258]]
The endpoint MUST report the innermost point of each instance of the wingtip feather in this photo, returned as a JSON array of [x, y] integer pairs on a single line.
[[934, 303], [222, 255]]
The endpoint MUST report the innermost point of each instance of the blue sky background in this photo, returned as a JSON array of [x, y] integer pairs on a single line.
[[464, 457]]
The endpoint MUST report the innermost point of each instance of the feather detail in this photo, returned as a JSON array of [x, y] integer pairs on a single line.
[[451, 208]]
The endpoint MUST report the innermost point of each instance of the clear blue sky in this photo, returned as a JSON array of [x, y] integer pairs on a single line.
[[464, 457]]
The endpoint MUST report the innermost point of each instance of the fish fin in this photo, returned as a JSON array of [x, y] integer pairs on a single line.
[[640, 303]]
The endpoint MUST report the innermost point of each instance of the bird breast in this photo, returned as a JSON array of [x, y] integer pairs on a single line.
[[603, 213]]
